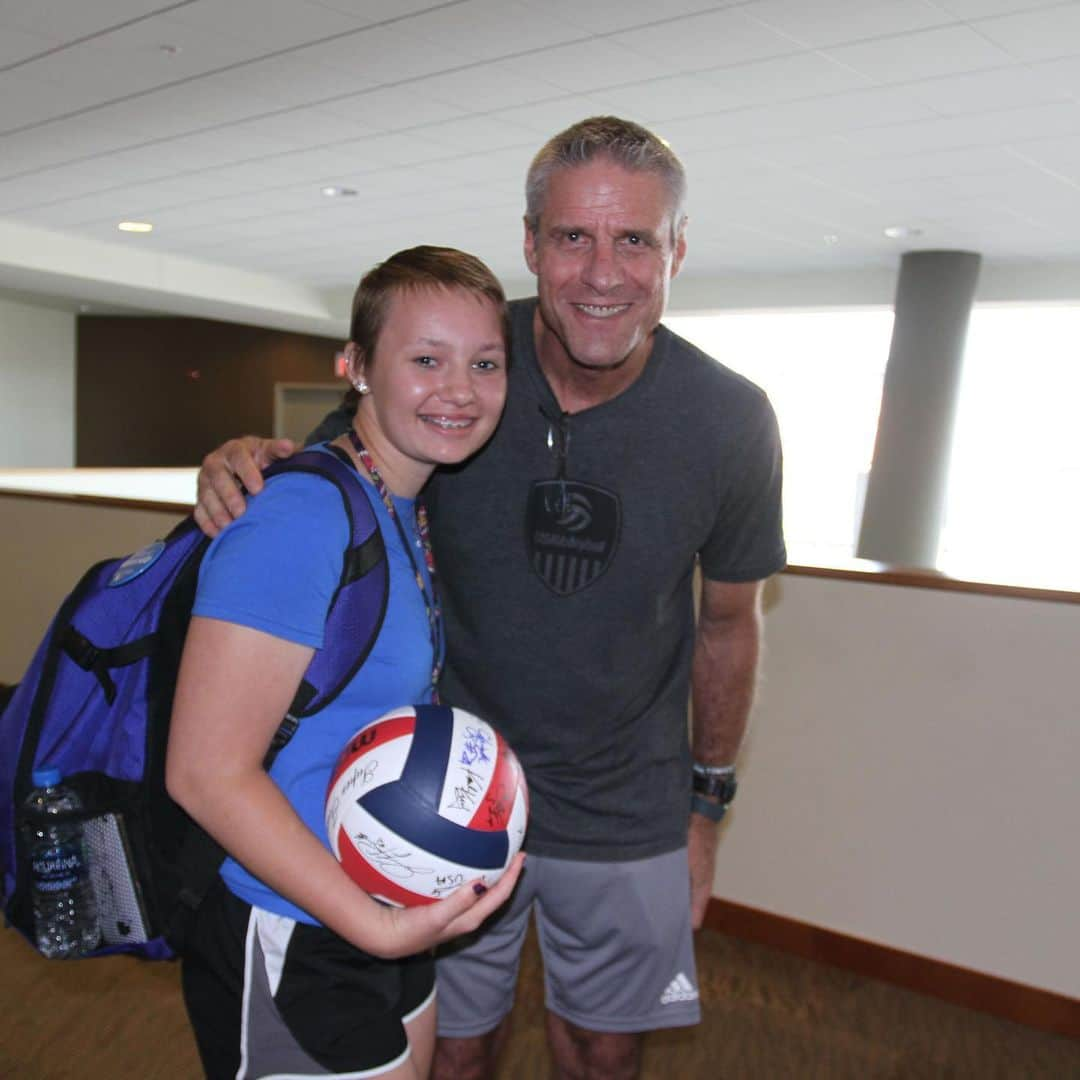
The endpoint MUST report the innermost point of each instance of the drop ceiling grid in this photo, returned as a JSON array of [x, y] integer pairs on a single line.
[[790, 83]]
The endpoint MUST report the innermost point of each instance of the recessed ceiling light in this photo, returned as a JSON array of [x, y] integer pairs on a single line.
[[135, 226], [334, 191], [831, 238], [901, 232]]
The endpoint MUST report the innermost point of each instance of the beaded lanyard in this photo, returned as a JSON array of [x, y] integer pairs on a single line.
[[431, 603]]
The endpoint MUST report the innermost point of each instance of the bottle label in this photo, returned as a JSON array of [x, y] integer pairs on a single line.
[[58, 868]]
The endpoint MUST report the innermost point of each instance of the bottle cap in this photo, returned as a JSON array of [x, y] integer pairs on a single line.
[[46, 776]]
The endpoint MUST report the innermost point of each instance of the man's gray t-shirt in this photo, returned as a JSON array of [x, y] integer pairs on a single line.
[[565, 552]]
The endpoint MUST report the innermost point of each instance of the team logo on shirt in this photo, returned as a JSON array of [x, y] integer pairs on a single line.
[[572, 530]]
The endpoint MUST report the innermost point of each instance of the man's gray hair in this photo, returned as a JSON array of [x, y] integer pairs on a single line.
[[622, 141]]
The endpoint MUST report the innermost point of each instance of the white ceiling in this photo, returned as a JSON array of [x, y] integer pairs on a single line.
[[807, 126]]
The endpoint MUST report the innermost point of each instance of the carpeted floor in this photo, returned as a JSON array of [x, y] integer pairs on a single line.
[[767, 1016]]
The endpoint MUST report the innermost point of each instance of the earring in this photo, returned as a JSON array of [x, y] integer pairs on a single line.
[[360, 386]]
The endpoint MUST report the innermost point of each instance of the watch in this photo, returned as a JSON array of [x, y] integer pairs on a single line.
[[714, 811], [718, 781]]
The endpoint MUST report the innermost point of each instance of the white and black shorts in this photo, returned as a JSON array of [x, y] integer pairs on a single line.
[[615, 939], [269, 996]]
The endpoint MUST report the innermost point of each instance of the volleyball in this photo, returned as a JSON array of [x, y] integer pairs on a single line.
[[423, 800]]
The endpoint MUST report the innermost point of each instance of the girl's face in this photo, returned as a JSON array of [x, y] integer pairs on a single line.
[[437, 382]]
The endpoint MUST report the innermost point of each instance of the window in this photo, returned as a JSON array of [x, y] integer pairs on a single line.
[[1013, 501], [823, 372], [1013, 507]]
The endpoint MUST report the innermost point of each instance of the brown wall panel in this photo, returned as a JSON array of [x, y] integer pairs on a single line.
[[163, 391]]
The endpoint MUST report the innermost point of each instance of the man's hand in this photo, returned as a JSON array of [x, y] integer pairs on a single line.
[[701, 844], [238, 462]]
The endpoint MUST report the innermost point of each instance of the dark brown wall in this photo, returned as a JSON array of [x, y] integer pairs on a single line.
[[164, 391]]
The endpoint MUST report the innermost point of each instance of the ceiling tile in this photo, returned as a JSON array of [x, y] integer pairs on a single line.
[[1062, 76], [610, 16], [26, 100], [654, 100], [373, 11], [783, 78], [390, 150], [986, 91], [873, 173], [382, 55], [1037, 195], [587, 66], [545, 118], [1036, 35], [270, 24], [209, 102], [393, 108], [973, 9], [16, 45], [944, 51], [303, 127], [490, 86], [55, 145], [984, 129], [303, 80], [1060, 156], [507, 165], [873, 108], [88, 78], [475, 135], [833, 22], [490, 29], [147, 44], [714, 39], [67, 21]]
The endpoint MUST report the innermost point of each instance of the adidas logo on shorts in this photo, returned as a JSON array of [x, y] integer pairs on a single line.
[[679, 989]]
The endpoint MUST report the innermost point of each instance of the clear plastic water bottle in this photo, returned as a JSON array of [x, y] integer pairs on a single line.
[[65, 912]]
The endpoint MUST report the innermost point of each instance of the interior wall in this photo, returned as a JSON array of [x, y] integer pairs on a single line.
[[46, 546], [164, 391], [37, 385], [910, 775], [908, 779]]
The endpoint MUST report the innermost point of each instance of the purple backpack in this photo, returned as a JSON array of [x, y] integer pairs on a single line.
[[96, 703]]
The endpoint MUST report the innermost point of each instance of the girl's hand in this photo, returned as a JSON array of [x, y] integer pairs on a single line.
[[413, 930]]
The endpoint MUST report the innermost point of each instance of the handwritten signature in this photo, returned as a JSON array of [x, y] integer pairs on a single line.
[[355, 781], [498, 808], [465, 795], [447, 883], [394, 863], [476, 746]]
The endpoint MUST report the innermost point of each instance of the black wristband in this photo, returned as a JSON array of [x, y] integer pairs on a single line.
[[713, 811], [721, 784]]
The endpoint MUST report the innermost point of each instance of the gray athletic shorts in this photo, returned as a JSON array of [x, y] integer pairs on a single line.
[[616, 943]]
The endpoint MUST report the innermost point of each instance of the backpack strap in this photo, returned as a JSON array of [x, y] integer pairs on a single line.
[[359, 605], [97, 661]]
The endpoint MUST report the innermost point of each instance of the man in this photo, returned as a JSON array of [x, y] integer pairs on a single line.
[[566, 551]]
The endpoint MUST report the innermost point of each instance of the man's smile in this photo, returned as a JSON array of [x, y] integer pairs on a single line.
[[602, 311]]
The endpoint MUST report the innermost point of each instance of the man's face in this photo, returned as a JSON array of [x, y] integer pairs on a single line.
[[603, 257]]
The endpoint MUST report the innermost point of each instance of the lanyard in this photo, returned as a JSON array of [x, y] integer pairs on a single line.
[[423, 540]]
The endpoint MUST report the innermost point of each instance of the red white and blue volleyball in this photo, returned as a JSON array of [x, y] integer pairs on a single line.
[[423, 800]]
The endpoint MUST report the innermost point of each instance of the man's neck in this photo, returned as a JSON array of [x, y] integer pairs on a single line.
[[577, 387]]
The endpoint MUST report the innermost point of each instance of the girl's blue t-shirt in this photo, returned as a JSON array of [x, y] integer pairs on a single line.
[[276, 569]]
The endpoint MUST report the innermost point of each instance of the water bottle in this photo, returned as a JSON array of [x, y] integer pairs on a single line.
[[65, 913]]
